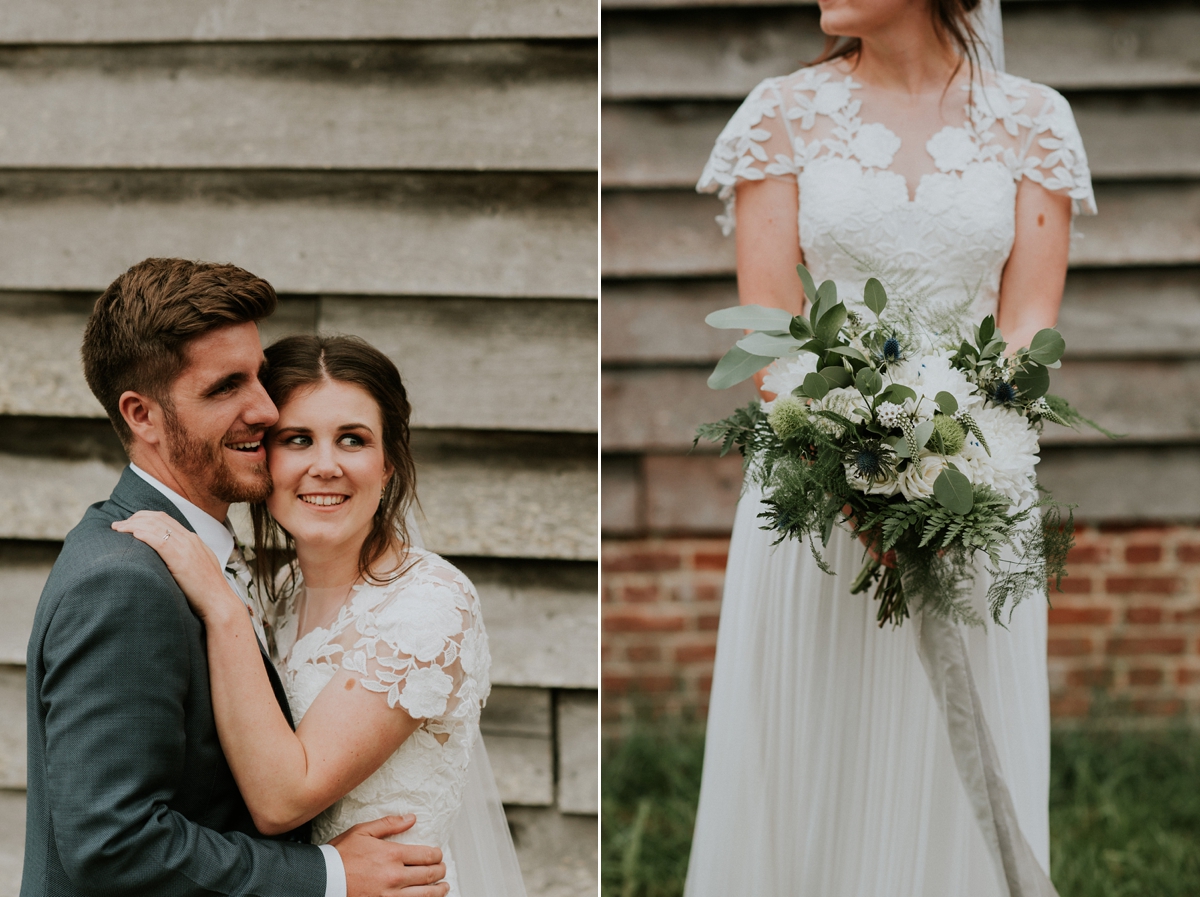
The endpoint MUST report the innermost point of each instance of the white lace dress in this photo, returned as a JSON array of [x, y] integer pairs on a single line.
[[828, 770], [420, 643]]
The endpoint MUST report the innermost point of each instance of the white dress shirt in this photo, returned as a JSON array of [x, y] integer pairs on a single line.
[[218, 536]]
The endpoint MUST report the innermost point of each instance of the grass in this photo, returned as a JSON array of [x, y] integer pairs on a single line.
[[1124, 812]]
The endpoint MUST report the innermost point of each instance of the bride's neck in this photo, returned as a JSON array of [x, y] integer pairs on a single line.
[[328, 566], [907, 57]]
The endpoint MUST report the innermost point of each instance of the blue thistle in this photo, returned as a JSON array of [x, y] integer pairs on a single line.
[[870, 460], [1004, 393], [891, 350]]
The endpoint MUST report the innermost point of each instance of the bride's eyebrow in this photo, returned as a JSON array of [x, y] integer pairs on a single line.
[[344, 427]]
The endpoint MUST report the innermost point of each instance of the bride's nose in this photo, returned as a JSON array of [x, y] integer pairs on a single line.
[[325, 464]]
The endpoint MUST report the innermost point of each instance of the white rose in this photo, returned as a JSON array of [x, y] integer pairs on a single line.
[[785, 374], [843, 401], [916, 480], [867, 486]]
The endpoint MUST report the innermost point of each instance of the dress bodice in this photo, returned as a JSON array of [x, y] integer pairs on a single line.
[[418, 642], [941, 251]]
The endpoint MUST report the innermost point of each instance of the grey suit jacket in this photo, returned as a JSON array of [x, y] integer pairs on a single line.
[[129, 793]]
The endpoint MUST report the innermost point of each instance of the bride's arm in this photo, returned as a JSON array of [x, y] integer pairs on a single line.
[[285, 777], [768, 247], [1031, 286]]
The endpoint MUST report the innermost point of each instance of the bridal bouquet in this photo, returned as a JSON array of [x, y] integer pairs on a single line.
[[928, 453]]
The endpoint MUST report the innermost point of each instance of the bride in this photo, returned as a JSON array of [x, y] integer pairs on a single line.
[[831, 766], [379, 643]]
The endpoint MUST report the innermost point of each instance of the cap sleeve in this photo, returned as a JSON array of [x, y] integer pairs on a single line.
[[754, 145], [424, 646], [1052, 152]]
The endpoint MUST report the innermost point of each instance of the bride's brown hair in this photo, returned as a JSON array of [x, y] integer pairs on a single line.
[[951, 23], [297, 362]]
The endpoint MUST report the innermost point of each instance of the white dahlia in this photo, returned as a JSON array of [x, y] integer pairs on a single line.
[[785, 374], [1013, 442]]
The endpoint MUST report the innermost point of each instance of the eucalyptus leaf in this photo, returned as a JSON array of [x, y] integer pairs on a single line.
[[953, 492], [735, 366], [810, 287], [945, 401], [1047, 346], [831, 322], [800, 328], [835, 375], [1032, 382], [874, 296], [902, 448], [826, 299], [765, 344], [816, 346], [993, 349], [922, 432], [897, 393], [868, 381], [749, 317], [815, 386], [985, 331], [849, 352]]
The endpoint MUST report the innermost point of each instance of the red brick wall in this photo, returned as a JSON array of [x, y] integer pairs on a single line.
[[1124, 634]]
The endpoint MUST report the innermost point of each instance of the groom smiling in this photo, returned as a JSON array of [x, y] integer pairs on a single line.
[[129, 792]]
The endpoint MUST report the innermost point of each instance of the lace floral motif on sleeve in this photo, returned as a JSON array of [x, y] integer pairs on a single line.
[[423, 646], [1049, 149]]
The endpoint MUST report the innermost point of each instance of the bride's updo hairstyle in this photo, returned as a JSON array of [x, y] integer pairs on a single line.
[[952, 23], [297, 362]]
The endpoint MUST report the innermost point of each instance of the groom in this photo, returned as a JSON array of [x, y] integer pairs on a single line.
[[129, 793]]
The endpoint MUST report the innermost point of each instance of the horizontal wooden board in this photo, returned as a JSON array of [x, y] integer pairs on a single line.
[[120, 21], [493, 364], [673, 233], [519, 736], [12, 841], [475, 503], [1138, 135], [489, 105], [658, 409], [723, 53], [484, 364], [12, 731], [1105, 314], [327, 232], [540, 616], [697, 494], [578, 715]]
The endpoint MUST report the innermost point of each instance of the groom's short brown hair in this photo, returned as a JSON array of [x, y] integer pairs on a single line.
[[139, 329]]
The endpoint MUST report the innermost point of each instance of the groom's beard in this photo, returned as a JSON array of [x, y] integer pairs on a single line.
[[205, 464]]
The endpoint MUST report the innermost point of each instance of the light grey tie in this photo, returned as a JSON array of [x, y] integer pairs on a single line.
[[237, 572]]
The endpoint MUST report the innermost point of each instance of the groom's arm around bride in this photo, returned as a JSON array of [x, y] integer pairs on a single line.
[[129, 792]]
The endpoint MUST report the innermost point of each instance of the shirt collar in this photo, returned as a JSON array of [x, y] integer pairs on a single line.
[[212, 532]]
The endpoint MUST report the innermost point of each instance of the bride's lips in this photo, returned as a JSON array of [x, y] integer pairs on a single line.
[[324, 501]]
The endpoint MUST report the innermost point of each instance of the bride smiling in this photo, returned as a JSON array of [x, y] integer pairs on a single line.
[[380, 644]]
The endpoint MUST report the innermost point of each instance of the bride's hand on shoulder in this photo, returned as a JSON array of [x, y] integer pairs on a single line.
[[190, 561]]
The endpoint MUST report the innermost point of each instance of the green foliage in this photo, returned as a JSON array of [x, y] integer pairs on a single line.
[[1124, 812]]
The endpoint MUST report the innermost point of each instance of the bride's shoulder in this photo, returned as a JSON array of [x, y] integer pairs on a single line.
[[1022, 98], [428, 578]]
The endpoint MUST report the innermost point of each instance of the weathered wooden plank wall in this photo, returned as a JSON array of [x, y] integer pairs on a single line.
[[422, 174], [673, 71]]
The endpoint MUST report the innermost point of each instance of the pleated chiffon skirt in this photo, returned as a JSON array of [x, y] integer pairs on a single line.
[[827, 769]]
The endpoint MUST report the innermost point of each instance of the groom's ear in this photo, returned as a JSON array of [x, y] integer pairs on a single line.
[[143, 415]]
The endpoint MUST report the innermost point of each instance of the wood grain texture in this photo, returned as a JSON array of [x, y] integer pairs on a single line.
[[365, 233], [518, 735], [662, 322], [658, 409], [578, 716], [509, 504], [482, 363], [697, 495], [704, 53], [121, 21], [456, 106], [1131, 135], [665, 233]]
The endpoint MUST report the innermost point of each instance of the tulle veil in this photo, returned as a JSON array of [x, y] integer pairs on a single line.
[[480, 841]]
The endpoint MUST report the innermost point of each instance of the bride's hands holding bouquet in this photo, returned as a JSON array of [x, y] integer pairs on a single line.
[[191, 562]]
